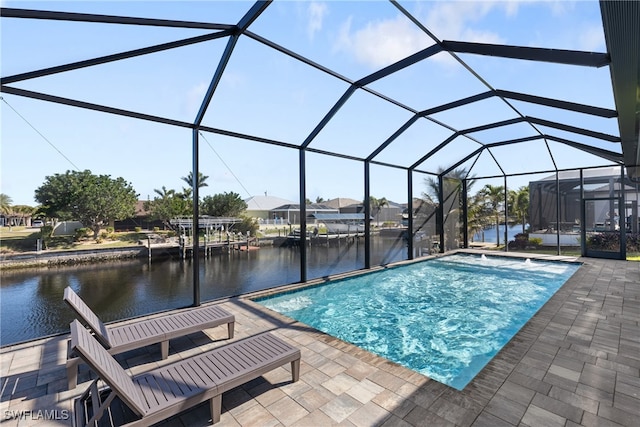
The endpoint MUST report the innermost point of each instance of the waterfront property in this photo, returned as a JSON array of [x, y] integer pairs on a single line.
[[307, 112], [574, 363]]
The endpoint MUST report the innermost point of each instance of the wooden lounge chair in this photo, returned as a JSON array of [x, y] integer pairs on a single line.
[[166, 391], [120, 338]]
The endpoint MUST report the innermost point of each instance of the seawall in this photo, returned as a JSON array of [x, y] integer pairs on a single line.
[[52, 258]]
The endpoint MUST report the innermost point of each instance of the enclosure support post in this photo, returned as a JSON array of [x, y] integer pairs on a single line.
[[622, 215], [303, 217], [367, 215], [583, 218], [410, 214], [465, 221], [195, 261], [440, 212], [506, 215], [558, 212]]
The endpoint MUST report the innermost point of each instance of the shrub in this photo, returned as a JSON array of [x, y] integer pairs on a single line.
[[633, 242], [156, 229], [138, 229], [520, 241], [110, 230], [81, 233], [46, 234], [535, 241], [46, 231], [247, 224], [611, 241], [604, 241], [107, 235]]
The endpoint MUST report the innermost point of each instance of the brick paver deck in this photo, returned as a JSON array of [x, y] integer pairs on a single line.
[[577, 362]]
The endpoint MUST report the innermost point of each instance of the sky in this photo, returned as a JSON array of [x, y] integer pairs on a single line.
[[264, 93]]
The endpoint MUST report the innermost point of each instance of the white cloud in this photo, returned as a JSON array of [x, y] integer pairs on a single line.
[[233, 79], [592, 39], [384, 42], [194, 98], [453, 21], [561, 7], [316, 12]]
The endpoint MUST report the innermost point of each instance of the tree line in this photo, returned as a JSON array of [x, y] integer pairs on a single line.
[[98, 201]]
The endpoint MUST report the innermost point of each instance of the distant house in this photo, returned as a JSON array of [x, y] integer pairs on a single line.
[[275, 210], [424, 213], [291, 213], [15, 220], [141, 218], [345, 205], [392, 212], [262, 207]]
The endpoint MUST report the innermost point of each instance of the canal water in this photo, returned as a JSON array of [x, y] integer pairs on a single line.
[[31, 304], [488, 235]]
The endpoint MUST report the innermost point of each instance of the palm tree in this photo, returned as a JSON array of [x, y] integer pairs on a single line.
[[201, 179], [476, 214], [494, 198], [519, 205], [452, 187], [164, 193], [5, 203], [433, 186], [377, 205], [24, 212]]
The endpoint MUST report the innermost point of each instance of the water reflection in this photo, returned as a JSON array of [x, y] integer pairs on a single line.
[[31, 303]]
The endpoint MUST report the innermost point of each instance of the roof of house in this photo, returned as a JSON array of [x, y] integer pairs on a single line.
[[341, 202], [310, 207], [265, 203], [338, 216], [140, 210]]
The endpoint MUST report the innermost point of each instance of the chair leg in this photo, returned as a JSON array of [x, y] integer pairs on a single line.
[[295, 370], [72, 372], [230, 327], [164, 349], [216, 408]]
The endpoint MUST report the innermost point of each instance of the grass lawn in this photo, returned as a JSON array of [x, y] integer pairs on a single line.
[[24, 239]]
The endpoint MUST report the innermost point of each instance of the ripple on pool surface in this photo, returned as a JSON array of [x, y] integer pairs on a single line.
[[445, 318]]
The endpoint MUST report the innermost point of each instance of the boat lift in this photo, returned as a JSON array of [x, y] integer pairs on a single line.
[[210, 224]]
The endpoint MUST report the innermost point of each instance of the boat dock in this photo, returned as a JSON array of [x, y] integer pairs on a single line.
[[314, 239]]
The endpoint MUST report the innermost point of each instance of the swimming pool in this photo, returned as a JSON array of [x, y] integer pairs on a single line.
[[445, 317]]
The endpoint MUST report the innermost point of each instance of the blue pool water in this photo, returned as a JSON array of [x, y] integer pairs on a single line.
[[445, 318]]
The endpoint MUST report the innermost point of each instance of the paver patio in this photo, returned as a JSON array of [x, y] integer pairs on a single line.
[[576, 362]]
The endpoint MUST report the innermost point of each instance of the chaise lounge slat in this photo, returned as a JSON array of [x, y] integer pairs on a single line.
[[166, 391], [130, 336]]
